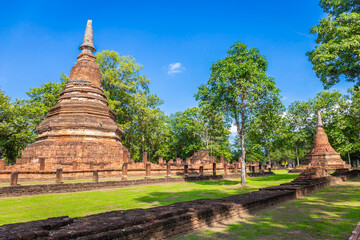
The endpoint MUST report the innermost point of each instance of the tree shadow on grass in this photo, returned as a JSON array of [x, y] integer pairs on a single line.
[[269, 178], [318, 216], [166, 198], [219, 182], [277, 177]]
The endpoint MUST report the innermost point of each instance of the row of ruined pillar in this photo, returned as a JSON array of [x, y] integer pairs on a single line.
[[95, 178]]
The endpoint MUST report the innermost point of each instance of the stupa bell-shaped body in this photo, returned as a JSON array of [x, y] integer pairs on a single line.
[[80, 127], [322, 153]]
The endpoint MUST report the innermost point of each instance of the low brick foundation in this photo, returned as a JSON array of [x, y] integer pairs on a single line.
[[136, 170], [355, 235], [164, 222], [22, 190]]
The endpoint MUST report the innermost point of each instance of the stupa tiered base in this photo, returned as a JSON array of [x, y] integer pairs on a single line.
[[80, 129]]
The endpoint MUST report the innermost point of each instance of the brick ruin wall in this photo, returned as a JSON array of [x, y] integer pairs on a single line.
[[71, 172], [25, 190], [167, 221]]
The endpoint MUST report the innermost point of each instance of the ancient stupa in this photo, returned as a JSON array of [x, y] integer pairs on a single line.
[[80, 127], [323, 154]]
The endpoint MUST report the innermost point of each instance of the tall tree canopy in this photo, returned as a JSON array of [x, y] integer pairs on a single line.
[[238, 86], [196, 129], [337, 52]]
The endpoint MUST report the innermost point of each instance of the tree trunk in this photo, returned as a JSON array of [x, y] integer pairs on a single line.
[[297, 155], [243, 166], [269, 158], [348, 153]]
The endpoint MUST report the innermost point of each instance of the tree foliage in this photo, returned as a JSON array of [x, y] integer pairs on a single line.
[[238, 86], [338, 43], [196, 129]]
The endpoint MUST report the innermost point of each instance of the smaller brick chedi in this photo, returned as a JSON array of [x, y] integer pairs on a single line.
[[323, 154], [80, 127]]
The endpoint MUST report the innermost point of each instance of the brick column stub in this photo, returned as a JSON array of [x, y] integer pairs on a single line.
[[14, 178], [124, 171], [148, 171], [186, 170], [58, 176], [236, 165], [2, 164], [95, 177], [145, 158], [168, 170], [125, 156]]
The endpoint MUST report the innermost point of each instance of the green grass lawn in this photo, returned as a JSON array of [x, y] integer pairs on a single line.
[[23, 209], [331, 213]]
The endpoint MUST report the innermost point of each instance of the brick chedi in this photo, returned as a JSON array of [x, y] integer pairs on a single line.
[[80, 127], [200, 157], [323, 154]]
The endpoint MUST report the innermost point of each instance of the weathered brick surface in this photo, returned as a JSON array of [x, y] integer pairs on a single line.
[[160, 222]]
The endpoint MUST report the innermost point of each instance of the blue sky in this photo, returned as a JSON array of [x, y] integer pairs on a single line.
[[175, 41]]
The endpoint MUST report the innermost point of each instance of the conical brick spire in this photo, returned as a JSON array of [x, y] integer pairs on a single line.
[[88, 42], [319, 121], [322, 153], [80, 127]]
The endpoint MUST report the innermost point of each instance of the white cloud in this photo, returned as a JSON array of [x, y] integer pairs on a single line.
[[233, 130], [175, 68]]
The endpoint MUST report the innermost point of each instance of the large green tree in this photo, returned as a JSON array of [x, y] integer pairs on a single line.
[[266, 127], [20, 118], [136, 110], [338, 42], [196, 129], [237, 87], [299, 118]]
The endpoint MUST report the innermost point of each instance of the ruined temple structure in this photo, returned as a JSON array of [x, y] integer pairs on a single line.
[[80, 129], [323, 154], [200, 157]]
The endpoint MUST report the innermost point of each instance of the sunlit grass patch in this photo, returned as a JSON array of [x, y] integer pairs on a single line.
[[77, 204]]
